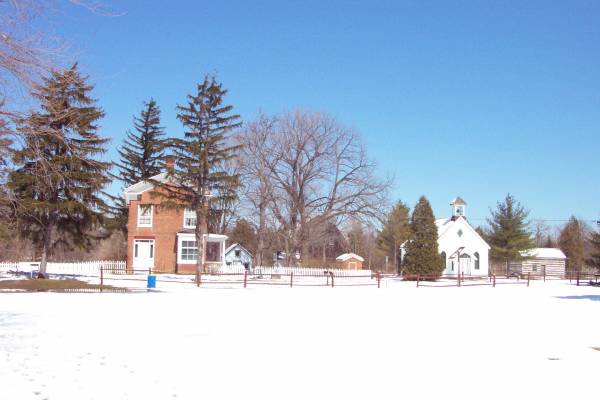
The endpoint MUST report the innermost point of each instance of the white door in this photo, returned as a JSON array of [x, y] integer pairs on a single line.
[[465, 264], [143, 253]]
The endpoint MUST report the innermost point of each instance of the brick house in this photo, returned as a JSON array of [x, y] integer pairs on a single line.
[[163, 238]]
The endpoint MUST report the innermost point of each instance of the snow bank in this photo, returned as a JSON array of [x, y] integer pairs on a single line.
[[303, 343]]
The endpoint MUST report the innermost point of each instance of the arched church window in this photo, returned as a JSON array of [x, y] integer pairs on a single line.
[[476, 260], [443, 255]]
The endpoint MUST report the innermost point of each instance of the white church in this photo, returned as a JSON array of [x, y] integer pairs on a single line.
[[462, 249]]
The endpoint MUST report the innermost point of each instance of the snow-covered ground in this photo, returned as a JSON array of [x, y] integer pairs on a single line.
[[305, 343]]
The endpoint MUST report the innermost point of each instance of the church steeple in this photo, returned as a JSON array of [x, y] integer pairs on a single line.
[[458, 207]]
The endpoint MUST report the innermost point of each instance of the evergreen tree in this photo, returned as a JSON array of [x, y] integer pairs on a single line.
[[142, 152], [142, 155], [594, 259], [509, 235], [201, 157], [59, 178], [422, 256], [396, 231], [244, 234], [572, 242]]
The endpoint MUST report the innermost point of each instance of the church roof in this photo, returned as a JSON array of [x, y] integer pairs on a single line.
[[458, 202]]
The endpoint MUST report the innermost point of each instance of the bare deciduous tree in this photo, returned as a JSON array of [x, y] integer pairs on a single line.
[[310, 171]]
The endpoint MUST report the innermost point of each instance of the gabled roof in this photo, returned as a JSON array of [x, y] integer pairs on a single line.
[[131, 192], [458, 202], [445, 224], [233, 246], [544, 252], [348, 256]]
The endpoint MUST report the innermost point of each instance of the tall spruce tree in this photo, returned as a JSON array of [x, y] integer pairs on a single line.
[[396, 231], [199, 170], [59, 177], [572, 242], [141, 156], [422, 256], [594, 258], [509, 234]]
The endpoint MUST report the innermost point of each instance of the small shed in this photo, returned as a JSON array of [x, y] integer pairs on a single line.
[[541, 260], [237, 255], [350, 261]]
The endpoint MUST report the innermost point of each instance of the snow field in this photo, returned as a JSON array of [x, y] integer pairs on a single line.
[[276, 342]]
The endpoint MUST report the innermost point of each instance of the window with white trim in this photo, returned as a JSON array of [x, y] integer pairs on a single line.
[[476, 260], [189, 218], [145, 215], [188, 251]]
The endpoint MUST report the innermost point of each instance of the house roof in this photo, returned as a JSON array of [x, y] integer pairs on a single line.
[[233, 246], [348, 256], [458, 202], [544, 252], [131, 192], [443, 225]]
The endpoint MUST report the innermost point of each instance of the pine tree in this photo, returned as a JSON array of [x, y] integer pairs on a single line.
[[59, 178], [142, 152], [572, 242], [594, 259], [422, 256], [509, 234], [395, 232], [201, 157], [142, 155]]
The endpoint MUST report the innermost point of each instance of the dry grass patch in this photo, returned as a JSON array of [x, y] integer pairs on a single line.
[[45, 285]]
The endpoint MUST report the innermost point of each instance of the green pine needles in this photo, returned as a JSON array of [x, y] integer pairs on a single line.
[[509, 234], [422, 256], [141, 157], [59, 178], [201, 157]]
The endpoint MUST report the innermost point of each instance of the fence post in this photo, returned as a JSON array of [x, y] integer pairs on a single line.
[[418, 278], [331, 279], [494, 280], [458, 280], [327, 276], [577, 278], [378, 279], [101, 278], [528, 278], [197, 277], [245, 278], [291, 278], [544, 273]]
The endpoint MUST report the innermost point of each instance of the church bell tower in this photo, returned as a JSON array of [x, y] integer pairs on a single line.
[[458, 208]]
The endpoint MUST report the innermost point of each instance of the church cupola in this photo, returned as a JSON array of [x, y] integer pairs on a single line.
[[458, 207]]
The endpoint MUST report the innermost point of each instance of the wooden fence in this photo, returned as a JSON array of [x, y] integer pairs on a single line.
[[66, 268]]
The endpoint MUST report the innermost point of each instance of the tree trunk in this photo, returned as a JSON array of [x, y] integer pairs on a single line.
[[261, 233], [45, 250], [201, 229]]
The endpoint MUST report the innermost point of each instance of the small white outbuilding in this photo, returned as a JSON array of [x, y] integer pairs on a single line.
[[237, 255]]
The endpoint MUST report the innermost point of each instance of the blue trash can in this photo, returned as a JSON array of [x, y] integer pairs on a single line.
[[151, 281]]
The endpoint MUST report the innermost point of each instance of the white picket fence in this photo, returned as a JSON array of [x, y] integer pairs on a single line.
[[92, 268], [297, 271], [66, 268]]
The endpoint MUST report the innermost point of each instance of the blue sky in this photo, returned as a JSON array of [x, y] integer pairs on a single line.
[[475, 98]]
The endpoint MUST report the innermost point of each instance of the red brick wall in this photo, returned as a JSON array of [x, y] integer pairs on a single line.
[[347, 264], [166, 222]]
